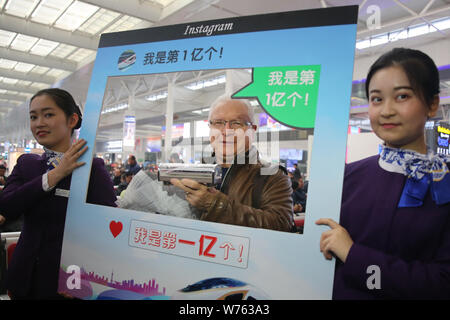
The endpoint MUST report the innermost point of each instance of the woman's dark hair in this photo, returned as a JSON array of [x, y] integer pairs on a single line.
[[63, 100], [420, 69]]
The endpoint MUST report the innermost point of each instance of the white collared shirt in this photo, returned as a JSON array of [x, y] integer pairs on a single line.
[[51, 156]]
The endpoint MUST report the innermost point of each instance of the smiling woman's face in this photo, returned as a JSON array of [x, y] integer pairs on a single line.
[[49, 124], [397, 114]]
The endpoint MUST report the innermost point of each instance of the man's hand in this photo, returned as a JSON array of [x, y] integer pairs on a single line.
[[298, 207], [197, 194], [337, 240], [2, 219]]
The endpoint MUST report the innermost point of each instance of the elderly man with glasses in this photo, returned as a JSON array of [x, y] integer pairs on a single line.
[[248, 195]]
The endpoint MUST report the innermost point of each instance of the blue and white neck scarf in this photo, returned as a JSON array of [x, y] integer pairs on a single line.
[[423, 172], [53, 158]]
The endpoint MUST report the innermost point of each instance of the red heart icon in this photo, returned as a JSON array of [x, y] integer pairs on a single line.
[[116, 228]]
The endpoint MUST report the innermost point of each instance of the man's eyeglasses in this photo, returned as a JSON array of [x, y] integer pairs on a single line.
[[234, 124]]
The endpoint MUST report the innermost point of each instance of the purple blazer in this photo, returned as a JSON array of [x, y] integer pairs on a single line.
[[34, 267], [411, 246]]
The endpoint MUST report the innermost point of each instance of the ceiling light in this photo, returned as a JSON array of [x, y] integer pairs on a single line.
[[418, 30], [20, 8], [206, 83], [24, 67], [75, 16], [6, 37], [43, 47], [398, 35], [117, 107], [23, 42], [49, 10], [441, 24], [376, 41], [362, 44], [7, 64], [158, 96]]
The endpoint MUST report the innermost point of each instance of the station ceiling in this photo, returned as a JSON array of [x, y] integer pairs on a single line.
[[43, 42]]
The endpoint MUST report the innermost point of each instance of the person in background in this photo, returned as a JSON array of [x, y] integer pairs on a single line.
[[10, 225], [290, 174], [38, 188], [126, 179], [2, 177], [108, 166], [175, 158], [297, 173], [7, 226], [298, 197], [393, 239], [117, 177], [132, 165]]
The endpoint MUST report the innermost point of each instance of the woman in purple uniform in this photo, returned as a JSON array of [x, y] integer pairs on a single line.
[[393, 240], [38, 188]]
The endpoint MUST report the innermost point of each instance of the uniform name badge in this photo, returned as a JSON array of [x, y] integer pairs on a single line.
[[62, 193]]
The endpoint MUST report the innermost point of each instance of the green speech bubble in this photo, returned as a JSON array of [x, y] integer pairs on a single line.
[[288, 93]]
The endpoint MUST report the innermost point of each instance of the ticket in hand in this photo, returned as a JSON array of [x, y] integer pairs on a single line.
[[209, 174]]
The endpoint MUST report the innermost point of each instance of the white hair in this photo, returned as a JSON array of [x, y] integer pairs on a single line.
[[225, 98]]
